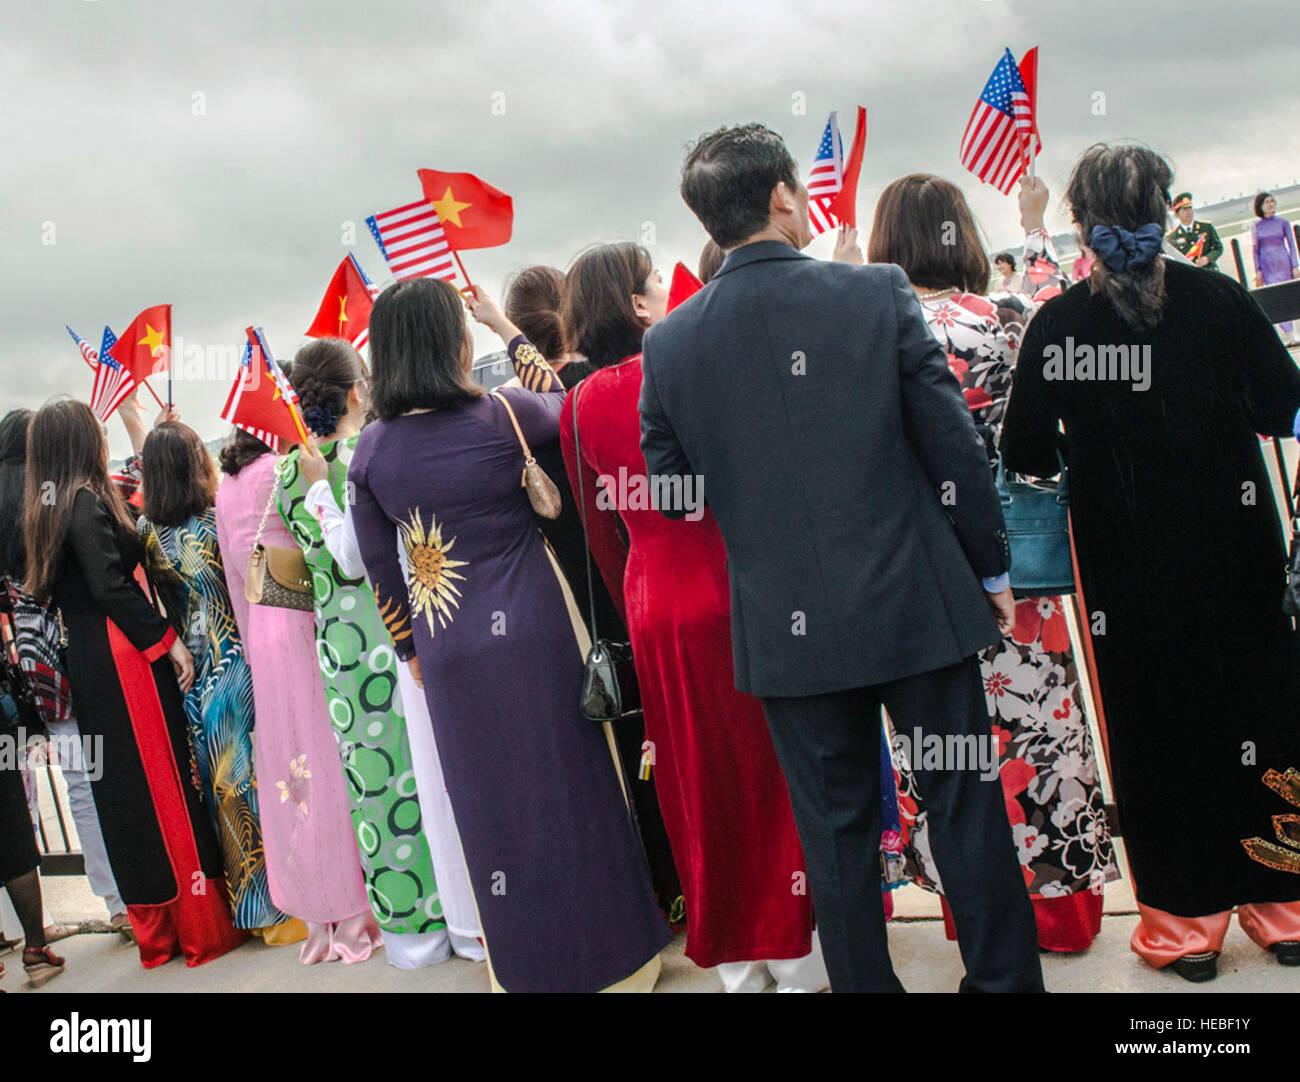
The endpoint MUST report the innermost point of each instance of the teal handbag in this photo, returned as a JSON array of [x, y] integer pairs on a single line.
[[1037, 516]]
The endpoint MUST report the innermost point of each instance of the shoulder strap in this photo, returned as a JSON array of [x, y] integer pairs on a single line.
[[270, 502], [528, 455], [582, 512]]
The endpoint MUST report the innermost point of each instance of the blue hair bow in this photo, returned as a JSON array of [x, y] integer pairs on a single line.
[[321, 420], [1123, 251]]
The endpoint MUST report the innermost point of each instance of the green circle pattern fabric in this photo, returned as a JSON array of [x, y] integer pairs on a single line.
[[359, 668]]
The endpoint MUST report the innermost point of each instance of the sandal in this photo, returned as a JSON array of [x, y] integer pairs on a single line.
[[46, 965], [57, 931]]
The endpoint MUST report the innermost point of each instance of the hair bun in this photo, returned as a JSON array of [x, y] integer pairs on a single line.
[[321, 420]]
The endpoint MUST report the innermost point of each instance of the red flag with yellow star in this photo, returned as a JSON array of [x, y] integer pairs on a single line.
[[262, 400], [472, 212], [345, 311], [145, 347]]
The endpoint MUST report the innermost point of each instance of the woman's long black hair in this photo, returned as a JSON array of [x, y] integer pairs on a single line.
[[13, 480]]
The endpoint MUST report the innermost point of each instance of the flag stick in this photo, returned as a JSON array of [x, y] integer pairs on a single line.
[[461, 265], [169, 389]]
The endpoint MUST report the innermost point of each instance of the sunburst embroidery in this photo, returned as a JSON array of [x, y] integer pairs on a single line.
[[429, 570]]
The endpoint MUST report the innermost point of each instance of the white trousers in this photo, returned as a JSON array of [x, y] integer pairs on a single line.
[[81, 803], [806, 974], [449, 871]]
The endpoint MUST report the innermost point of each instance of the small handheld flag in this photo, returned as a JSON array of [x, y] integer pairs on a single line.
[[262, 402], [88, 352], [684, 286], [345, 311], [145, 347], [473, 212], [1029, 76], [833, 182], [412, 242], [113, 381], [996, 143], [844, 204], [827, 176]]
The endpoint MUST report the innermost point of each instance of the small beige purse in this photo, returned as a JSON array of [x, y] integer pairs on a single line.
[[277, 576], [542, 493]]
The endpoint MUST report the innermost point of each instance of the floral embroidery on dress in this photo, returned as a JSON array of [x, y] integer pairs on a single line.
[[296, 788], [430, 570]]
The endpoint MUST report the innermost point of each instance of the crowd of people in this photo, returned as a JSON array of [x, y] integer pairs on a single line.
[[339, 691]]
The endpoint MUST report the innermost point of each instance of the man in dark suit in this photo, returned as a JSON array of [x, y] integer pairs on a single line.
[[859, 514]]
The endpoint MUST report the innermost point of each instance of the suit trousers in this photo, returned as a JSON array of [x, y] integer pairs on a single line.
[[829, 749]]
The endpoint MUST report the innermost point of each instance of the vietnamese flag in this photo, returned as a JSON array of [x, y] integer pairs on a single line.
[[472, 212], [1029, 76], [145, 347], [262, 401], [684, 286], [844, 203], [345, 311]]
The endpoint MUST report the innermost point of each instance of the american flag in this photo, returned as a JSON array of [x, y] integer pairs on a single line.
[[995, 146], [113, 382], [413, 242], [826, 178], [363, 336], [88, 353]]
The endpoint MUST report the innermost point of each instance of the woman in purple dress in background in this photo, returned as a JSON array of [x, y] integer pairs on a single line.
[[1273, 242], [487, 625]]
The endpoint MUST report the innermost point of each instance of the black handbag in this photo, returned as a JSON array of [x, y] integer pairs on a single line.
[[1037, 516], [607, 672], [18, 705], [1291, 595]]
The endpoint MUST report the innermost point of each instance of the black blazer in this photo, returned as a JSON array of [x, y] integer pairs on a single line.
[[841, 461]]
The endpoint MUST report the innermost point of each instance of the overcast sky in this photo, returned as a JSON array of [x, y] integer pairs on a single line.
[[210, 154]]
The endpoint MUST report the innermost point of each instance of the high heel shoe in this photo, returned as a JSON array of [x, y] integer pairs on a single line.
[[46, 965]]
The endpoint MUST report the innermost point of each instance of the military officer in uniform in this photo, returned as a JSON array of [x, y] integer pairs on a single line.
[[1198, 241]]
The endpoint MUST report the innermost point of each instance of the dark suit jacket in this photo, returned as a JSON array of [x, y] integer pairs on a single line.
[[841, 461]]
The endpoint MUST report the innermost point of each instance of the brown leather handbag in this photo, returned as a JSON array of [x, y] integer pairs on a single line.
[[542, 493], [277, 576]]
